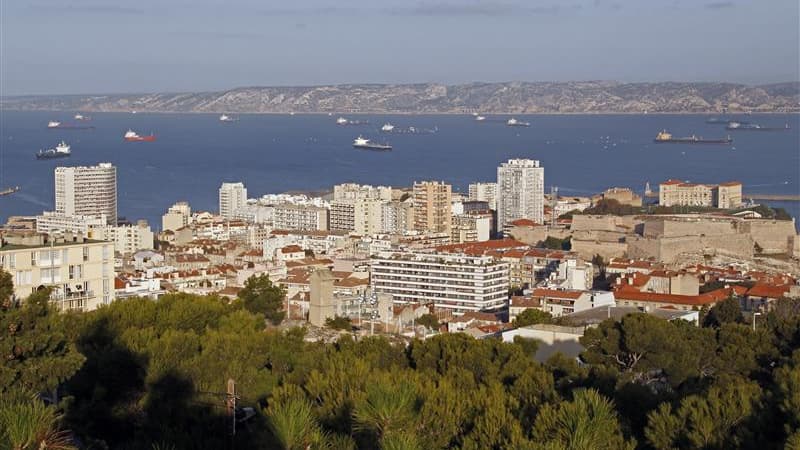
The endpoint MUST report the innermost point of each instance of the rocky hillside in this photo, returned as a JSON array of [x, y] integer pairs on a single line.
[[512, 97]]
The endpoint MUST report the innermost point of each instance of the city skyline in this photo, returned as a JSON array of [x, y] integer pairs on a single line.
[[149, 46]]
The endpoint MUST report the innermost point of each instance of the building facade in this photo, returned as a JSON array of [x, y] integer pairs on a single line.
[[300, 217], [677, 193], [432, 207], [87, 191], [456, 283], [80, 272], [177, 216], [232, 197], [53, 222], [485, 192], [520, 192]]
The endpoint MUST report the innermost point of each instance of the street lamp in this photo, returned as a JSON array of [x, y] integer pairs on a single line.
[[754, 319]]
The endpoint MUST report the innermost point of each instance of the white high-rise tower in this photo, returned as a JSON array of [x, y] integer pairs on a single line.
[[520, 192], [87, 191], [232, 197]]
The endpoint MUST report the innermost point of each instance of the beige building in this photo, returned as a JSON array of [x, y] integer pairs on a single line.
[[677, 193], [397, 217], [432, 207], [362, 216], [471, 228], [624, 196], [80, 272], [87, 191], [127, 239], [177, 216]]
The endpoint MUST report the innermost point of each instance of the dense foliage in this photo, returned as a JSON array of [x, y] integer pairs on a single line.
[[153, 374]]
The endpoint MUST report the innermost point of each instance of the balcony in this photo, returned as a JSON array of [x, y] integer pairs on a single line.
[[73, 295]]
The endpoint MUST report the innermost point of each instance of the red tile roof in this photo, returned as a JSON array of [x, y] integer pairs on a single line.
[[767, 291], [480, 248], [554, 293], [524, 223]]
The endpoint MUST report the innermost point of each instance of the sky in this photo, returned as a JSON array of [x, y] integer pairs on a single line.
[[135, 46]]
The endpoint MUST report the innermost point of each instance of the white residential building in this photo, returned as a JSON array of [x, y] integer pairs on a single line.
[[457, 283], [87, 191], [296, 217], [53, 222], [80, 272], [520, 192], [232, 197], [485, 192], [397, 217]]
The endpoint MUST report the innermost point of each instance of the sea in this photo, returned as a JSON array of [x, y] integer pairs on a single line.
[[273, 153]]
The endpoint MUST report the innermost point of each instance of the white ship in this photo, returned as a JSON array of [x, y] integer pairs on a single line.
[[512, 122], [361, 142], [227, 118], [387, 128], [342, 121], [53, 124], [81, 117], [480, 118]]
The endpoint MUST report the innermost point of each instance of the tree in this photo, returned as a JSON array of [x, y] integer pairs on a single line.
[[429, 320], [26, 423], [555, 243], [36, 353], [726, 311], [260, 296], [293, 425], [587, 422], [6, 289], [532, 316], [339, 323]]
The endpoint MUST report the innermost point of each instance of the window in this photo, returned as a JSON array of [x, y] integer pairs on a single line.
[[85, 253], [12, 261], [105, 252], [33, 259], [75, 271], [51, 275], [105, 285], [23, 277]]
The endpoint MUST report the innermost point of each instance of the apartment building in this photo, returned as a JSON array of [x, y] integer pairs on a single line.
[[397, 217], [53, 222], [471, 228], [484, 192], [127, 239], [455, 283], [232, 197], [520, 192], [178, 216], [87, 191], [432, 207], [79, 271], [300, 217]]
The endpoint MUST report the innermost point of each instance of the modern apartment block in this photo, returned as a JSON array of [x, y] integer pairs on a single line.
[[471, 228], [127, 239], [485, 192], [232, 196], [432, 207], [300, 217], [353, 191], [360, 215], [678, 193], [53, 222], [397, 217], [520, 192], [80, 272], [457, 283], [87, 191]]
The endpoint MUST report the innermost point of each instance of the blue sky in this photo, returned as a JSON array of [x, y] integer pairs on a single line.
[[106, 46]]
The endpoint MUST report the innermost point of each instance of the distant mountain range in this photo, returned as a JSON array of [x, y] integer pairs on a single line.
[[489, 98]]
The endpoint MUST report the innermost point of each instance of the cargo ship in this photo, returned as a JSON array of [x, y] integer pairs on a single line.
[[366, 144], [745, 126], [62, 150], [9, 191], [131, 136], [82, 118], [54, 124], [666, 138], [512, 122]]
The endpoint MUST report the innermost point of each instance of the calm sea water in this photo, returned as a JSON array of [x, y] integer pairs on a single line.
[[194, 153]]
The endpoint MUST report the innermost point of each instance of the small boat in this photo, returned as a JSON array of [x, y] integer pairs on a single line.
[[512, 122], [227, 118], [132, 136], [62, 150], [480, 118], [81, 117], [387, 128], [53, 124], [366, 144]]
